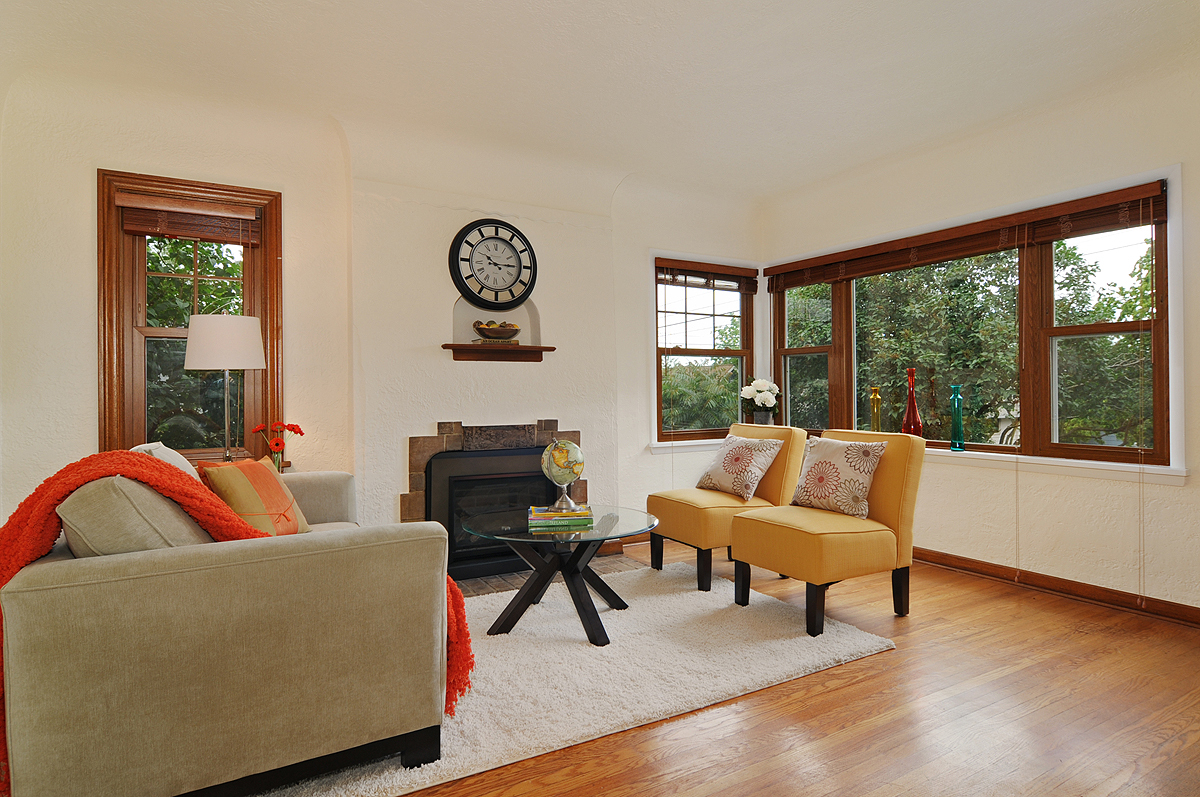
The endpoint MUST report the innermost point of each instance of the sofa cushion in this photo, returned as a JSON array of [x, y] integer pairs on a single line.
[[160, 451], [739, 465], [119, 515], [837, 475], [256, 493]]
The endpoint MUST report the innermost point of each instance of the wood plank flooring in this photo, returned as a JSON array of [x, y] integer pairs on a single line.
[[993, 689]]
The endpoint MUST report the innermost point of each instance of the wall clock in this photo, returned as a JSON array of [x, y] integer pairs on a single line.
[[492, 264]]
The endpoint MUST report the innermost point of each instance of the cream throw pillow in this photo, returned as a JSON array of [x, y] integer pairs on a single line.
[[119, 515], [161, 451], [837, 475], [739, 465]]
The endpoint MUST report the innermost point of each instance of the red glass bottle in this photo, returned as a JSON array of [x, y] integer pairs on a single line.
[[912, 419]]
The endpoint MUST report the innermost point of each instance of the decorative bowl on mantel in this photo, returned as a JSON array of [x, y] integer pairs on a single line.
[[501, 331]]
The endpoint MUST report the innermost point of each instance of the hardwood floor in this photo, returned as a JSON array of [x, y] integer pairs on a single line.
[[993, 689]]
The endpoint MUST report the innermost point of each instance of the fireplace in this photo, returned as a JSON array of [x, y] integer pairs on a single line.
[[465, 483], [480, 468]]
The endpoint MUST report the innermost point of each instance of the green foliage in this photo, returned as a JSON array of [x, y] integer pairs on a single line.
[[808, 390], [956, 323], [700, 393], [186, 409], [203, 277], [1104, 381], [809, 310]]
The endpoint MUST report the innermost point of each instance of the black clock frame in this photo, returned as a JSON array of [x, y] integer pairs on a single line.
[[515, 237]]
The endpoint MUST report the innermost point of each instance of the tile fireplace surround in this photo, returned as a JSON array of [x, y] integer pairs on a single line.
[[453, 436]]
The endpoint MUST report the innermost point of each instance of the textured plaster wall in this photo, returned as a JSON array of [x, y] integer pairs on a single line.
[[56, 134], [403, 313], [592, 231], [1132, 536], [648, 217]]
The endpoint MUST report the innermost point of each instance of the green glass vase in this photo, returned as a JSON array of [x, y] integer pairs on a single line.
[[956, 424]]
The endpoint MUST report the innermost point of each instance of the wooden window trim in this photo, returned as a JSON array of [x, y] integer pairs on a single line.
[[1032, 233], [121, 348], [1040, 225], [747, 279]]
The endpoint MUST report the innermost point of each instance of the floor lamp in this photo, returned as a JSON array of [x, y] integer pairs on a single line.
[[224, 343]]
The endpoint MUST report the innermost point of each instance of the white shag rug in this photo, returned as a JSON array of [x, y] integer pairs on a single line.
[[543, 686]]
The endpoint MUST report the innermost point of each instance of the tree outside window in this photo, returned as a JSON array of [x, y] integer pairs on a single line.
[[1053, 321]]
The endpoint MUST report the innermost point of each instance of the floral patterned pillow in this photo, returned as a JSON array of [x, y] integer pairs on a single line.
[[739, 465], [837, 475]]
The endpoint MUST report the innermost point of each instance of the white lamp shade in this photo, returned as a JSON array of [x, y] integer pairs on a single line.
[[217, 342]]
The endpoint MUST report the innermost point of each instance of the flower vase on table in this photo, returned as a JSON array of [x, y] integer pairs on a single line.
[[912, 418]]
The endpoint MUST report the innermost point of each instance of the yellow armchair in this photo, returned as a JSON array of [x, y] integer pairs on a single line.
[[822, 547], [701, 518]]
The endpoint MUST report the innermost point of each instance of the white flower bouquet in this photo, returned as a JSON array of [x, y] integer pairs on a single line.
[[760, 396]]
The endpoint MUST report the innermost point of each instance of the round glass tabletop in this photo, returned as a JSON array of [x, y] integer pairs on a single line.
[[608, 523]]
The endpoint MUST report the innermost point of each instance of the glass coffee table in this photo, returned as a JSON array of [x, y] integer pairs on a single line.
[[567, 552]]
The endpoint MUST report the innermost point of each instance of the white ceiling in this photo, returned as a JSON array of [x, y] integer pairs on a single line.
[[751, 98]]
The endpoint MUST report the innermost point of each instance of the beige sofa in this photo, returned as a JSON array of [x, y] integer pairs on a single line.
[[255, 662]]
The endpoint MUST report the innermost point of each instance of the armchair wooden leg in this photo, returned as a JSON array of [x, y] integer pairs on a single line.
[[900, 591], [729, 552], [741, 583], [656, 550], [704, 569], [814, 605]]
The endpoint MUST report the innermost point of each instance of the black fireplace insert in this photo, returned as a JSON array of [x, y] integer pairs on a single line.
[[459, 484]]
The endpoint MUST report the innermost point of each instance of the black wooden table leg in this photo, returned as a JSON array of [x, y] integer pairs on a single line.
[[581, 562], [586, 609], [530, 592], [547, 559], [606, 593]]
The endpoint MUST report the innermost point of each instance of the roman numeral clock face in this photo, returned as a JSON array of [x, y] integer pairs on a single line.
[[492, 265]]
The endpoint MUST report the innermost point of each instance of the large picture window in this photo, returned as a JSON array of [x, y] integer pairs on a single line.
[[1052, 322], [170, 249], [705, 346]]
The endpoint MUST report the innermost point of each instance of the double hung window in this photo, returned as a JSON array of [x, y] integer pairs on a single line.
[[1053, 322], [705, 346], [170, 249]]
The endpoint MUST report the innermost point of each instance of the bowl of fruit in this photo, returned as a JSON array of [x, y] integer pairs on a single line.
[[496, 331]]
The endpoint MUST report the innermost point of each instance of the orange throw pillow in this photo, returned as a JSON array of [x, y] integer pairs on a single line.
[[256, 493]]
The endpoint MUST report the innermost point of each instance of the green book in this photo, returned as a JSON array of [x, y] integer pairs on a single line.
[[560, 522]]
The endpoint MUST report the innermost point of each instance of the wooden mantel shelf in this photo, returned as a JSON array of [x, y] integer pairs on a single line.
[[513, 353]]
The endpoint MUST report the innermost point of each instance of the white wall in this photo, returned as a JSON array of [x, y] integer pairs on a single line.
[[403, 311], [1136, 536], [594, 295], [56, 134], [649, 218]]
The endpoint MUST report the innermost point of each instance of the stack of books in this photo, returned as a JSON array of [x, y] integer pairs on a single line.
[[548, 520]]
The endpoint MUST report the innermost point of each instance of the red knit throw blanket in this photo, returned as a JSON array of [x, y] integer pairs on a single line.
[[31, 531]]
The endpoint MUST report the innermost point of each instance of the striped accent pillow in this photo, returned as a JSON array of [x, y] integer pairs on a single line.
[[256, 493]]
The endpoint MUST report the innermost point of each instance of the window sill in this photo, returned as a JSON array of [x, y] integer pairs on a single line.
[[686, 446], [1087, 469]]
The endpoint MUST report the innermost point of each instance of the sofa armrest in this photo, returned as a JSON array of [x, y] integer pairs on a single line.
[[165, 671], [324, 496]]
